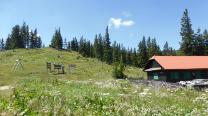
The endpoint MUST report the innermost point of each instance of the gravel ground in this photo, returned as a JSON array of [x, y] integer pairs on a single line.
[[155, 83]]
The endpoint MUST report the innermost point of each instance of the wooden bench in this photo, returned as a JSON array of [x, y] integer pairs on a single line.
[[59, 68]]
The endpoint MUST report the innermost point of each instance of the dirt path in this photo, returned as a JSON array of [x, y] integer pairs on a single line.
[[2, 88]]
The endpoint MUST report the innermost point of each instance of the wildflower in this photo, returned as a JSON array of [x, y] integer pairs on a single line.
[[146, 90], [195, 112], [206, 90], [200, 99], [143, 94], [135, 92], [23, 112], [105, 94], [121, 94]]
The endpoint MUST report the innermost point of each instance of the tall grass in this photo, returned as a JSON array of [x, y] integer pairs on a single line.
[[120, 97]]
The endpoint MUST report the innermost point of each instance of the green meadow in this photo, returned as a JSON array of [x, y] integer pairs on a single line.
[[89, 89]]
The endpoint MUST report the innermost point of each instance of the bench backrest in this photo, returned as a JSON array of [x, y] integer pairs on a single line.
[[57, 66]]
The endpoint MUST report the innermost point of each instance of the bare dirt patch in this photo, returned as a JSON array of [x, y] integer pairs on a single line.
[[2, 88]]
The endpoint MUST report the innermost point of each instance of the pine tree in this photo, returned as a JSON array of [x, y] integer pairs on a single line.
[[155, 48], [198, 44], [115, 53], [92, 53], [142, 53], [57, 41], [74, 44], [17, 40], [2, 45], [8, 45], [100, 47], [205, 37], [135, 58], [39, 42], [27, 39], [123, 55], [187, 34], [166, 50], [88, 49], [69, 46], [118, 70], [23, 32], [32, 39], [149, 47], [96, 47], [82, 46], [35, 38], [129, 57], [53, 41], [107, 48]]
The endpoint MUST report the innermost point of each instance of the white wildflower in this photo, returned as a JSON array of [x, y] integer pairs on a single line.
[[143, 94], [121, 94], [105, 94], [134, 92]]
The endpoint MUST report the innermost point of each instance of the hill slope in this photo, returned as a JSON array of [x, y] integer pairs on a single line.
[[34, 63], [89, 90]]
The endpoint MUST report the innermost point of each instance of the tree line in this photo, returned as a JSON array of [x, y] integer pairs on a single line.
[[101, 48], [193, 43], [22, 37], [108, 52]]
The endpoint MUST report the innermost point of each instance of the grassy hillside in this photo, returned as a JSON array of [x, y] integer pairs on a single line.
[[90, 90], [34, 62]]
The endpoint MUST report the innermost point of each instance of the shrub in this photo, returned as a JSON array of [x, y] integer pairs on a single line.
[[118, 70]]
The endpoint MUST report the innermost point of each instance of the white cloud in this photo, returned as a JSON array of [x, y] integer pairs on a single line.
[[118, 22], [115, 22], [128, 23]]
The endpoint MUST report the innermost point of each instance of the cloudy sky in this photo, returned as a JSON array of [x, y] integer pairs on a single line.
[[128, 20]]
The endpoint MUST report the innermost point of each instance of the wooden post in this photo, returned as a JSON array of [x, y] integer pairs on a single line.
[[48, 66]]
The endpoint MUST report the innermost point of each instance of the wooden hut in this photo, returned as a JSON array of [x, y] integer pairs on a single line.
[[177, 68]]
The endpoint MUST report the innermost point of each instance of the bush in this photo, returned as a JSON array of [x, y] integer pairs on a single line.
[[118, 70]]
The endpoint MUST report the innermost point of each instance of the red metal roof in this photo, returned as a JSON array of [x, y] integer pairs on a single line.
[[182, 62]]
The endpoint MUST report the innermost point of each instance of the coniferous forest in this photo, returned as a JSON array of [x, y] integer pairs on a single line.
[[192, 43]]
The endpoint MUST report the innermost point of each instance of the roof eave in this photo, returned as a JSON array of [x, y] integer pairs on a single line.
[[185, 69]]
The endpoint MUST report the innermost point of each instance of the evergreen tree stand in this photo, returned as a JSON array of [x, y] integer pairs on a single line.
[[17, 65]]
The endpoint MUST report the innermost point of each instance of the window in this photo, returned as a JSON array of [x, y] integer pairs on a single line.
[[155, 76]]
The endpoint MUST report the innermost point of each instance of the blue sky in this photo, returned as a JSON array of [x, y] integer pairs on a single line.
[[129, 20]]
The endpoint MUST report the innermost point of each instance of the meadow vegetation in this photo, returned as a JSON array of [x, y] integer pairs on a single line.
[[90, 89]]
